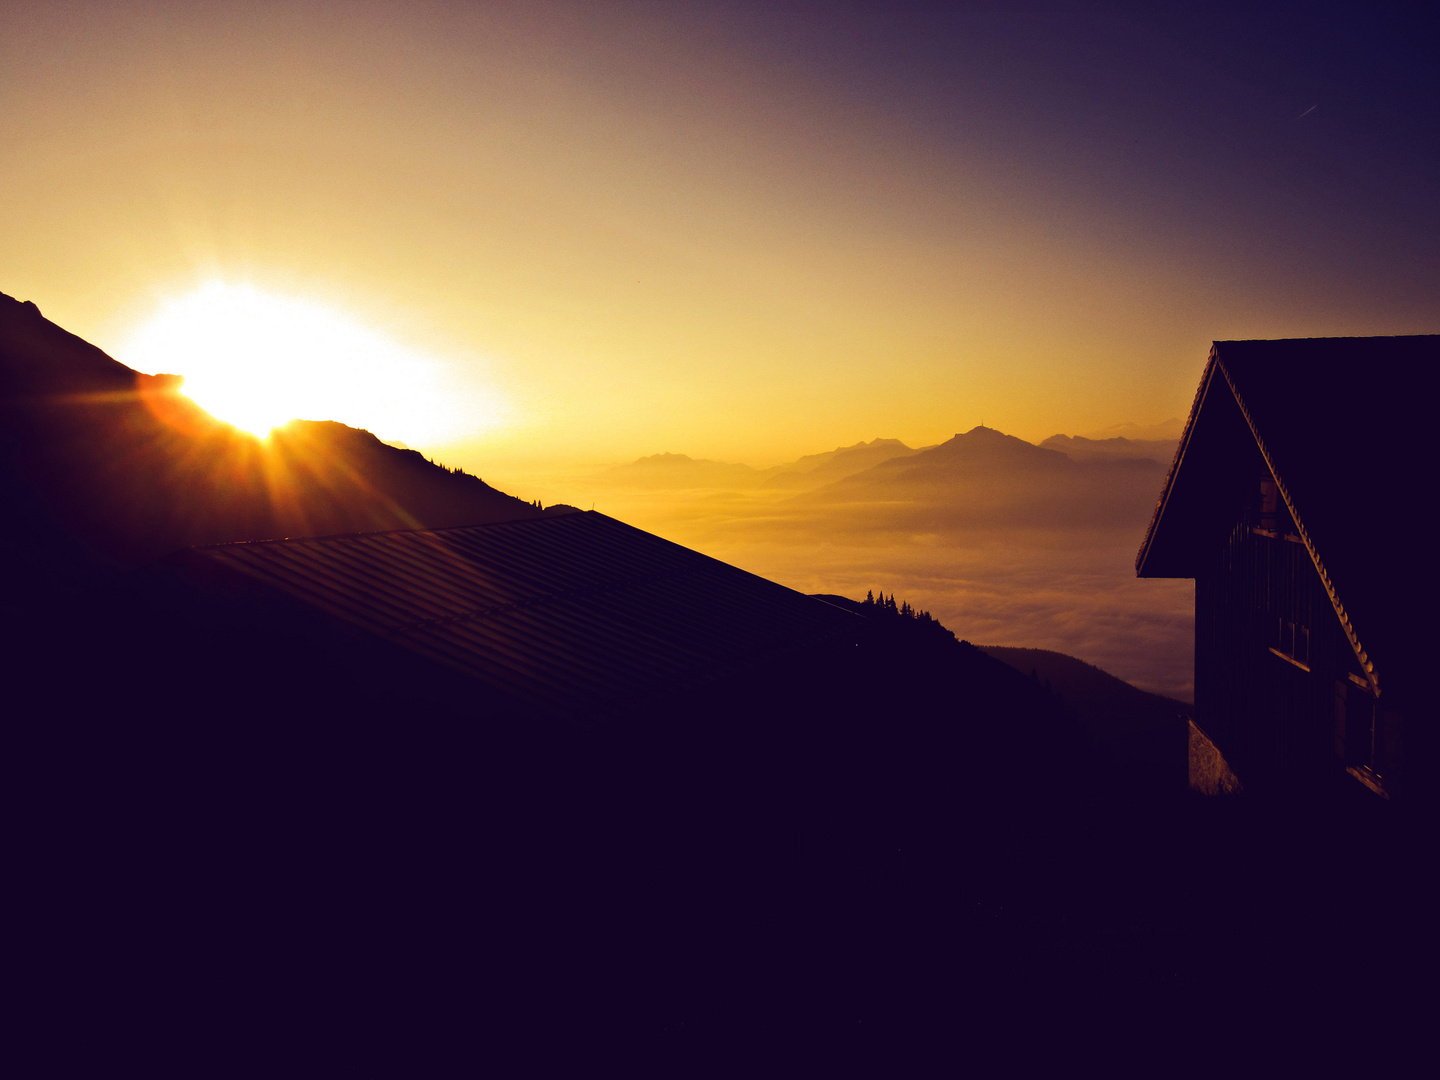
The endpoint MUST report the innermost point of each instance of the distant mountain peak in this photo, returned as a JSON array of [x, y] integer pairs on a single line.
[[980, 431], [814, 470], [666, 458], [983, 440]]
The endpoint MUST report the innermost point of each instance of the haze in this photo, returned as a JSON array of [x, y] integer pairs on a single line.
[[743, 232]]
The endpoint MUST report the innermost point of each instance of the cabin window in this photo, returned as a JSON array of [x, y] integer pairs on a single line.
[[1354, 723], [1367, 737], [1268, 506], [1291, 642], [1268, 514]]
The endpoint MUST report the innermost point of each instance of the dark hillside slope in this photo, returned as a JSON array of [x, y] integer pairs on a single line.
[[802, 834], [1137, 730], [103, 469]]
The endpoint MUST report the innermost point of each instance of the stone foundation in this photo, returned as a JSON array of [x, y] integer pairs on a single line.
[[1210, 773]]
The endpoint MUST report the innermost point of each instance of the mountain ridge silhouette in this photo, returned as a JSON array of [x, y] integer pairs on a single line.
[[838, 463], [979, 447], [680, 471], [103, 468], [985, 478], [1080, 448]]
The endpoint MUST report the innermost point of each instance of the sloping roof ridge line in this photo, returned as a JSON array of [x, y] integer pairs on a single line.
[[1340, 612], [1180, 449]]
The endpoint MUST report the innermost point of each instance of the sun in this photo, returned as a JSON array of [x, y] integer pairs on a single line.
[[258, 360]]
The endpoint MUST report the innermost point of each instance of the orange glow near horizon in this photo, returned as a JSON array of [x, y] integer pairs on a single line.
[[258, 360], [597, 232]]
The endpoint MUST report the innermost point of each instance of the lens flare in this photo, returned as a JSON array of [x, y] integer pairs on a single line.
[[258, 360]]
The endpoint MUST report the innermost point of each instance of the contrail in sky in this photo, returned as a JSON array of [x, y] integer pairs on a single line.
[[1307, 112]]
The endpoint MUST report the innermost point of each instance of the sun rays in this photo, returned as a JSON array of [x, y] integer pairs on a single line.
[[259, 360]]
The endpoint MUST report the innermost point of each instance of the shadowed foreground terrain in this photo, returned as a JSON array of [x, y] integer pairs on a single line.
[[1141, 734], [904, 832]]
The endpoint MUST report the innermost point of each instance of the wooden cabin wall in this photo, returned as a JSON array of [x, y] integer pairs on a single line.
[[1272, 718]]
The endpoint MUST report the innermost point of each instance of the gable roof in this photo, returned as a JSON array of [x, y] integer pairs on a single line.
[[1338, 424], [577, 611]]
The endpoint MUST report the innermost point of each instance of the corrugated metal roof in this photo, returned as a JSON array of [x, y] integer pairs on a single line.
[[566, 611]]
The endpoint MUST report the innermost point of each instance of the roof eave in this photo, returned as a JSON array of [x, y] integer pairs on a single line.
[[1145, 563]]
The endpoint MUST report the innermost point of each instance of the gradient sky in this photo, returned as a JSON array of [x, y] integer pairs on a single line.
[[739, 231]]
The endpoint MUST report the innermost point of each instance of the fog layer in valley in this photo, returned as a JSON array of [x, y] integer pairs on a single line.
[[1005, 542]]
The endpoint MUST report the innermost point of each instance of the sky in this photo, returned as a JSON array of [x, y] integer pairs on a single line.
[[742, 231]]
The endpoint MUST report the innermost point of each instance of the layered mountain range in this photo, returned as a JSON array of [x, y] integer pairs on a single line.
[[983, 473], [981, 479], [987, 478], [1004, 540], [679, 471]]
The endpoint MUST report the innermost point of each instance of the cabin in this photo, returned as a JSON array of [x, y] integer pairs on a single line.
[[1296, 503]]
